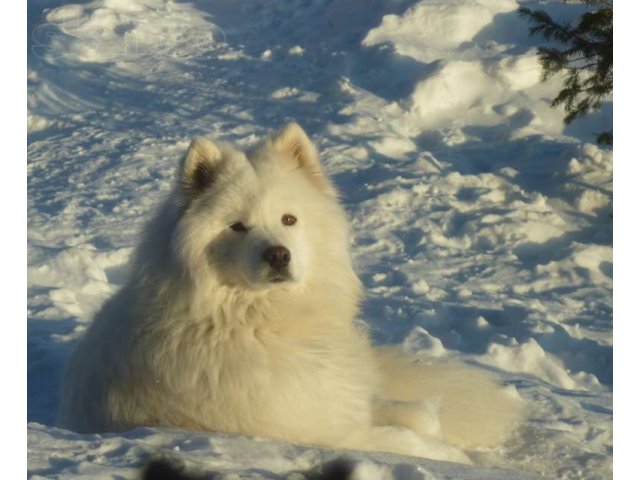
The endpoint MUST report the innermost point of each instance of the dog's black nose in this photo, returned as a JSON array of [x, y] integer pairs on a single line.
[[277, 257]]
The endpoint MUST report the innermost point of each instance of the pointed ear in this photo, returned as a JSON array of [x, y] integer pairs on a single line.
[[200, 165], [293, 142]]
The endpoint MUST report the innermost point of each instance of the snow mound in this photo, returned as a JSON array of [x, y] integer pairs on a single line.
[[121, 32], [529, 358], [449, 55], [420, 342], [429, 29], [78, 280]]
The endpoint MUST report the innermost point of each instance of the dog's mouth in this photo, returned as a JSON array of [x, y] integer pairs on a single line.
[[279, 276]]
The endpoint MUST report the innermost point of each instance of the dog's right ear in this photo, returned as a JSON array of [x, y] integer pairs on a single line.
[[200, 165], [293, 142]]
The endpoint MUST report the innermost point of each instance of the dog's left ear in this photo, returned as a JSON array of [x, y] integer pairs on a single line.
[[200, 165], [293, 142]]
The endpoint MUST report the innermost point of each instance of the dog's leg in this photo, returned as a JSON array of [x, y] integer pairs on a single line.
[[422, 417]]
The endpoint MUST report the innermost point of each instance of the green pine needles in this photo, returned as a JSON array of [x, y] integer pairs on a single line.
[[586, 58]]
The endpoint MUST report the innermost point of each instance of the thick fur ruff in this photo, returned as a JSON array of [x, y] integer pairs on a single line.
[[238, 317]]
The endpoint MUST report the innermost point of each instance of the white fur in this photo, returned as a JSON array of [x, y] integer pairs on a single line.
[[201, 338]]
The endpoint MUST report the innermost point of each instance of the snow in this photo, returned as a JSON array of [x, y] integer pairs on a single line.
[[482, 224], [55, 453]]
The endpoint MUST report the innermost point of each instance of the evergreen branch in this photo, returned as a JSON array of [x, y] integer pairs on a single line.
[[586, 58]]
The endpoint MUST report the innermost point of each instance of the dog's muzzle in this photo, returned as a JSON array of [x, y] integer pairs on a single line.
[[278, 258]]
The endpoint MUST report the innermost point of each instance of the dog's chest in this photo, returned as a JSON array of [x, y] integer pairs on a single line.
[[263, 356], [314, 378]]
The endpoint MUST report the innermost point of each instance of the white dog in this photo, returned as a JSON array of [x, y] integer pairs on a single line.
[[239, 314]]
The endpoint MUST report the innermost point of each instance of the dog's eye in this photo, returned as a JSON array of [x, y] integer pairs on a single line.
[[288, 219], [238, 227]]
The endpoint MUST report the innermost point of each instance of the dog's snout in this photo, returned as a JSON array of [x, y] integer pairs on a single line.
[[277, 257]]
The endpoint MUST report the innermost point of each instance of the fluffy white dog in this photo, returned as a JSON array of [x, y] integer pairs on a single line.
[[239, 314]]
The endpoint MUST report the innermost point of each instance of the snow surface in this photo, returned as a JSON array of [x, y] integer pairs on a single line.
[[482, 224]]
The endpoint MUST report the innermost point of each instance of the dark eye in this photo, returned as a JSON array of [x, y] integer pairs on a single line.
[[238, 227], [288, 219]]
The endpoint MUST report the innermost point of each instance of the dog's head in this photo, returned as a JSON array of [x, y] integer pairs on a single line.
[[267, 218]]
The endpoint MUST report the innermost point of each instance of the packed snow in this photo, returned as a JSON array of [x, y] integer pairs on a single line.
[[482, 225]]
